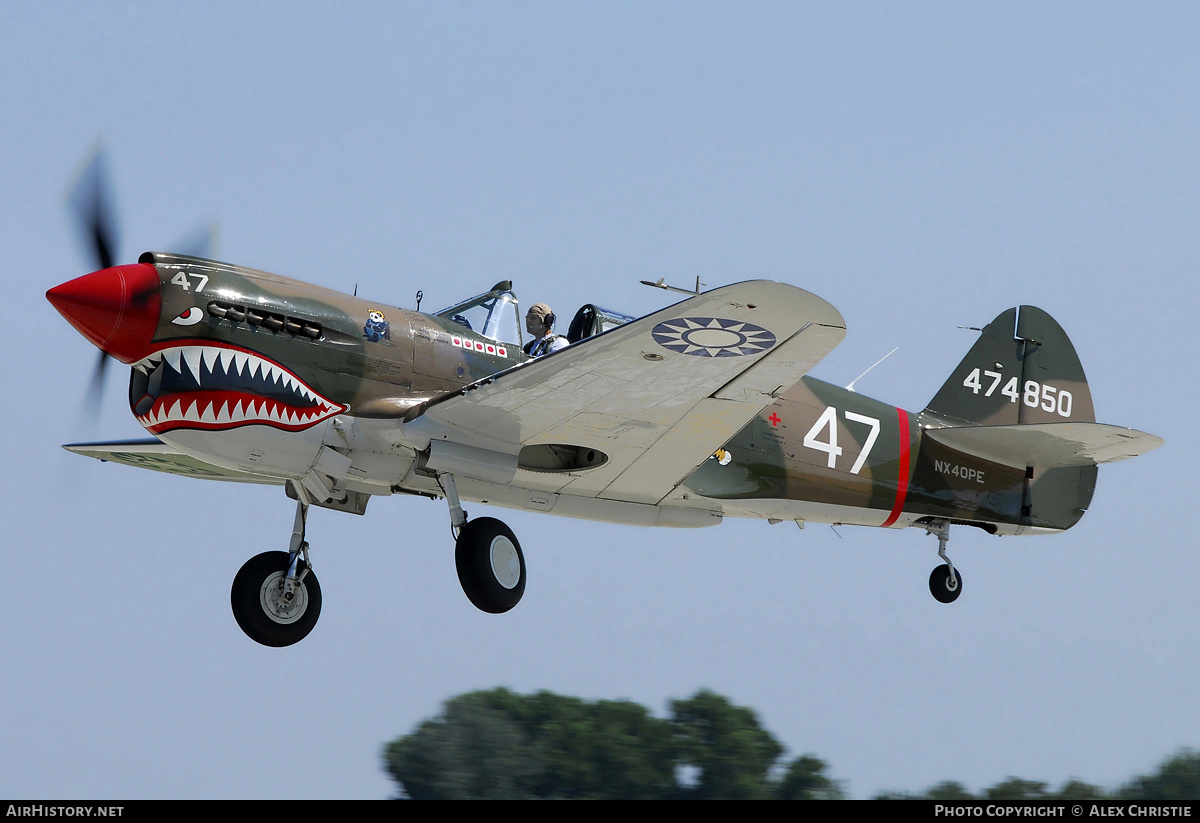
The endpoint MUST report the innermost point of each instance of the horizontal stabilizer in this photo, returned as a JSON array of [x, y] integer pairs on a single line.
[[1048, 444], [158, 456]]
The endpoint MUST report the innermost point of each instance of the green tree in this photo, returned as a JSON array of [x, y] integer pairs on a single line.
[[805, 779], [472, 751], [1178, 778], [949, 790], [497, 744], [1078, 790], [605, 749], [1014, 788], [732, 751], [946, 790]]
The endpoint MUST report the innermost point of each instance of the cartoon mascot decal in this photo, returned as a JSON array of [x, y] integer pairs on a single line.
[[377, 327]]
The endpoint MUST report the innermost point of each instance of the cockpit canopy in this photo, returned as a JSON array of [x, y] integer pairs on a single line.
[[592, 319], [494, 315]]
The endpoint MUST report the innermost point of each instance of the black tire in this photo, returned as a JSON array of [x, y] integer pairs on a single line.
[[489, 587], [252, 589], [940, 586]]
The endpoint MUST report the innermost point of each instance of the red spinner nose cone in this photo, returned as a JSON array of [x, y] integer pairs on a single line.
[[116, 308]]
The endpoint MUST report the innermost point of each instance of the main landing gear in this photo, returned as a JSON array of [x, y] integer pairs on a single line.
[[491, 567], [276, 597], [945, 583]]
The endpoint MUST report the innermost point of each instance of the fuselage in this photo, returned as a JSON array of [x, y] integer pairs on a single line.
[[259, 373]]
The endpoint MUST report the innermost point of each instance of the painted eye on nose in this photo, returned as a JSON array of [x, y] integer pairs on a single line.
[[189, 318]]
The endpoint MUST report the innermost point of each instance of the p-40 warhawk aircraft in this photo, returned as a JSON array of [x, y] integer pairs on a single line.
[[699, 411]]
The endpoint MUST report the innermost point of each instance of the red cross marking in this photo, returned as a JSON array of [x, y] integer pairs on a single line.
[[774, 418]]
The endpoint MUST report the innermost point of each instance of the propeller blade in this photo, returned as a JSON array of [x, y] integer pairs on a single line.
[[90, 199], [95, 391]]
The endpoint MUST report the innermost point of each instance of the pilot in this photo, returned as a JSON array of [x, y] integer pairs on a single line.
[[539, 321]]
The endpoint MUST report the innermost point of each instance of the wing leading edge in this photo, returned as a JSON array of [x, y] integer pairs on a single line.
[[158, 456], [655, 397]]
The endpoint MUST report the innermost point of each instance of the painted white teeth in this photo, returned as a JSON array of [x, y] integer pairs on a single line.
[[262, 411], [191, 356], [230, 362], [148, 363], [210, 356]]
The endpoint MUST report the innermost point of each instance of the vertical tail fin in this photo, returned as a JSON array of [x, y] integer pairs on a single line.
[[1022, 369]]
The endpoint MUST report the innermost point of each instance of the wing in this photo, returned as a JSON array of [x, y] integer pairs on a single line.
[[156, 455], [629, 414]]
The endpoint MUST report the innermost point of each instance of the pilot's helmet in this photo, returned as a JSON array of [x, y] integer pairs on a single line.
[[539, 318]]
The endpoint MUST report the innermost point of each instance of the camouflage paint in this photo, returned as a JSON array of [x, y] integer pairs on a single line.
[[788, 451], [373, 377], [816, 443]]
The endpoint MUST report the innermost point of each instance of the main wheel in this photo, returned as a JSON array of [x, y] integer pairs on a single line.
[[940, 585], [260, 604], [490, 565]]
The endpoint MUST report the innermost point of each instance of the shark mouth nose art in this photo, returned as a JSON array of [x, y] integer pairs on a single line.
[[214, 386]]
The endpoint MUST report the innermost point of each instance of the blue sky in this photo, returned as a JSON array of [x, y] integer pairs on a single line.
[[920, 166]]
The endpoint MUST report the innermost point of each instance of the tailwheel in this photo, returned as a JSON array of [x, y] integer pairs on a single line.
[[276, 598], [945, 584], [491, 567]]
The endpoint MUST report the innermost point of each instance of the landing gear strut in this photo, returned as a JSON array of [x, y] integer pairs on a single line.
[[276, 598], [491, 567], [945, 583]]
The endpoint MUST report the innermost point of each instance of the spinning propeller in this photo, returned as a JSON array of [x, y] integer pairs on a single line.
[[115, 307], [91, 202]]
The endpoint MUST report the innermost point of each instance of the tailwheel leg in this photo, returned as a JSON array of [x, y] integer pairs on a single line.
[[276, 598], [945, 583]]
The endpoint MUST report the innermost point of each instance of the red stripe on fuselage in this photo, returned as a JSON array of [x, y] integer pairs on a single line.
[[902, 480]]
